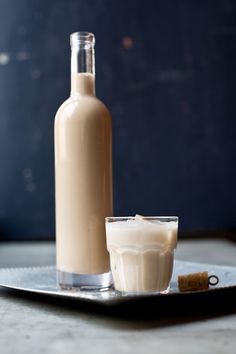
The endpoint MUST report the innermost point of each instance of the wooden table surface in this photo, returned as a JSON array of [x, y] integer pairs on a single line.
[[31, 325]]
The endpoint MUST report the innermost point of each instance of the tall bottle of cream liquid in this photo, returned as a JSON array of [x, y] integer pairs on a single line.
[[83, 176]]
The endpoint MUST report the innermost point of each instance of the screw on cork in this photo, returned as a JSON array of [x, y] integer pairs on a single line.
[[196, 281]]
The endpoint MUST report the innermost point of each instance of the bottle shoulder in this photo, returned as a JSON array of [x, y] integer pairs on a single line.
[[82, 106]]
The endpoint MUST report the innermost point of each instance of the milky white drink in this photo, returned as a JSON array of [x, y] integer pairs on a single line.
[[141, 252], [83, 173]]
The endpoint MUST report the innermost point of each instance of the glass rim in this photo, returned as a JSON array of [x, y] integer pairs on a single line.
[[160, 218], [82, 37]]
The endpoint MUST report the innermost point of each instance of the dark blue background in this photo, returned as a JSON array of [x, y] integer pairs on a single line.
[[170, 87]]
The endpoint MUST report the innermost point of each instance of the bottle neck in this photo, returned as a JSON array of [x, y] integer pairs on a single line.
[[82, 64]]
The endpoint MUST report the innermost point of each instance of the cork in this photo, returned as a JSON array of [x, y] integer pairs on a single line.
[[194, 281]]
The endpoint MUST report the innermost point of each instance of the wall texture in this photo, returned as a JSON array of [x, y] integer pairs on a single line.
[[167, 71]]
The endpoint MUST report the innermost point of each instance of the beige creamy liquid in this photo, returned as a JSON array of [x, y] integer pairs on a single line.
[[141, 254], [83, 180]]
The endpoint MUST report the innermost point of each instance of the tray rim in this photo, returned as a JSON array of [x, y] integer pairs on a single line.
[[110, 300]]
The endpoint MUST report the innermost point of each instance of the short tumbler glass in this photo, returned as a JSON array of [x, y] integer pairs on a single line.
[[141, 252]]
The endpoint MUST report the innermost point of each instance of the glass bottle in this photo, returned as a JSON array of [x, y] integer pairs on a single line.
[[83, 175]]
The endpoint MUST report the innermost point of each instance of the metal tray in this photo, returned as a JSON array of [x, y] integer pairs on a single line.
[[42, 280]]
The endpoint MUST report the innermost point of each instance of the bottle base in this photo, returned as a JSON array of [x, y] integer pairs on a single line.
[[78, 282]]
